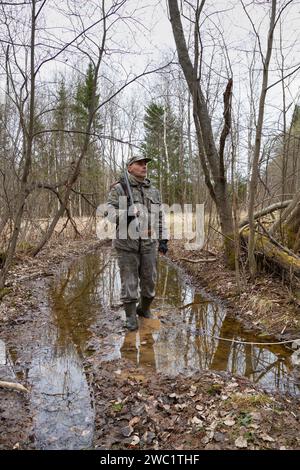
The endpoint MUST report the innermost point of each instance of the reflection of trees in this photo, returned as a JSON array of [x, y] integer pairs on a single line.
[[168, 284], [75, 299], [248, 360], [254, 361], [183, 348], [201, 315], [220, 357], [138, 345], [129, 347], [86, 288]]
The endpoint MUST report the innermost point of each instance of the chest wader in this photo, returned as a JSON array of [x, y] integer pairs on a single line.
[[143, 308], [131, 319], [136, 265], [129, 307]]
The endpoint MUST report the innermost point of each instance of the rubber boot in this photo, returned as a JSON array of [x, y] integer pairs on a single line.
[[131, 319], [143, 309]]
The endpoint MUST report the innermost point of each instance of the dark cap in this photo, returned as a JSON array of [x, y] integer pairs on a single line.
[[137, 158]]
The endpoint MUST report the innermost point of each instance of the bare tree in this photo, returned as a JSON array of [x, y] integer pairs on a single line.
[[212, 159], [258, 135], [28, 135], [23, 62]]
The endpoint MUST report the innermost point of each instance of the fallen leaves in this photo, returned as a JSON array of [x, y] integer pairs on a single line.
[[176, 413], [148, 437], [241, 442], [135, 420], [135, 441], [229, 422], [198, 422], [266, 437], [127, 431]]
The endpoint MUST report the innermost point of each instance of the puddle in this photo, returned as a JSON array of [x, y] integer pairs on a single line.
[[191, 343], [7, 373], [182, 339], [184, 336]]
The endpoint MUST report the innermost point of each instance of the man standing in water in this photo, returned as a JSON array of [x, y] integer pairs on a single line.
[[137, 250]]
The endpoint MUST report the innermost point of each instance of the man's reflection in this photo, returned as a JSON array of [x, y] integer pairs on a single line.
[[138, 345]]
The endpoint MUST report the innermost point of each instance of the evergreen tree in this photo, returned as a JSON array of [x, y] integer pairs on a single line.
[[153, 146], [92, 168], [83, 97], [162, 144]]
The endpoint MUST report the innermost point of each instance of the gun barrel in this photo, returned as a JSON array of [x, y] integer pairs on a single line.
[[130, 197], [128, 187]]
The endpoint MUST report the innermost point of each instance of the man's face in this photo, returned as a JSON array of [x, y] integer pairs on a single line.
[[138, 169]]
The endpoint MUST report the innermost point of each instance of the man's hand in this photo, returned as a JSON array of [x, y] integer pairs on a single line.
[[163, 246], [134, 213]]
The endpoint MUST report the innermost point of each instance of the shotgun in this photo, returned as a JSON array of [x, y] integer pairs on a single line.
[[129, 192]]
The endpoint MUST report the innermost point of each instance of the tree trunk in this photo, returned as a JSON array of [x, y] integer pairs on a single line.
[[266, 211], [292, 229], [28, 143], [274, 254], [210, 158], [73, 177], [258, 136], [288, 214]]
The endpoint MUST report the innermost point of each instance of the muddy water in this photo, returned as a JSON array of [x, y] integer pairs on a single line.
[[183, 338]]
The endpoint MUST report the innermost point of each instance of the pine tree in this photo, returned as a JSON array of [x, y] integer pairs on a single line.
[[153, 144], [83, 99], [91, 170], [162, 144]]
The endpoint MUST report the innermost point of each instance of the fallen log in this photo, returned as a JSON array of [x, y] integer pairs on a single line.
[[275, 254], [286, 213], [266, 211], [13, 386], [200, 260]]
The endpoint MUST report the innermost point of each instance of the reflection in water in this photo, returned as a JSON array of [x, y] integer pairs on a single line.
[[180, 347], [64, 416], [184, 348], [60, 395], [174, 343], [138, 346]]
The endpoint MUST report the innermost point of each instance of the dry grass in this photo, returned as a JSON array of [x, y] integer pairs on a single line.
[[259, 304], [250, 401], [213, 239], [32, 231]]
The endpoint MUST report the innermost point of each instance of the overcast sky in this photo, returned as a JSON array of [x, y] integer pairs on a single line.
[[149, 38], [143, 37]]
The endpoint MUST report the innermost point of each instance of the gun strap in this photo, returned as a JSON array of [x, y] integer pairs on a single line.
[[123, 184]]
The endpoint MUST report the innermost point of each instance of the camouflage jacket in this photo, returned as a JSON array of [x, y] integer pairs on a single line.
[[147, 200]]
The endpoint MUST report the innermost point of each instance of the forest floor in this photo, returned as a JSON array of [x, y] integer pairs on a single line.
[[136, 407]]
